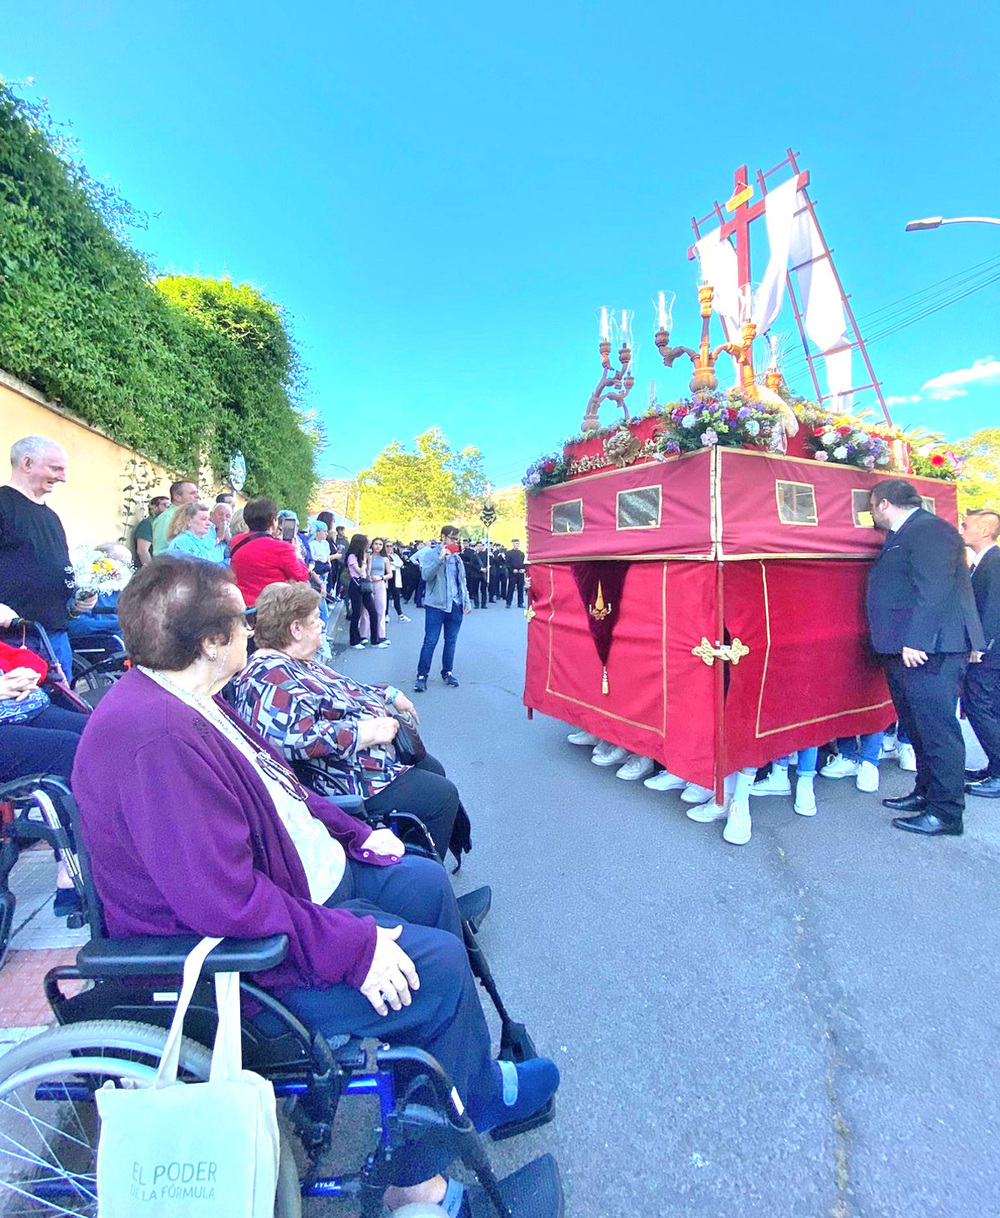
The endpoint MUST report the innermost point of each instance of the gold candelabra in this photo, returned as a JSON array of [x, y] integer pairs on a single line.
[[704, 378], [616, 383]]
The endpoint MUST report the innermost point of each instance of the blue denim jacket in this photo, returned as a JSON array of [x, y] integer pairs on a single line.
[[433, 571]]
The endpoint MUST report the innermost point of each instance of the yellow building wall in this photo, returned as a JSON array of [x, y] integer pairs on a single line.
[[90, 504]]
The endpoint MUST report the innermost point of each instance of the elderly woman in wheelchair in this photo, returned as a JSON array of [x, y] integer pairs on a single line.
[[194, 824], [336, 732]]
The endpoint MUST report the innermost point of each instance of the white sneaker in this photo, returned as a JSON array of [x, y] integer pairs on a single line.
[[636, 767], [907, 758], [359, 646], [840, 767], [704, 814], [403, 617], [382, 643], [776, 783], [588, 739], [607, 754], [693, 794], [665, 781], [867, 779], [805, 797], [738, 825], [889, 746]]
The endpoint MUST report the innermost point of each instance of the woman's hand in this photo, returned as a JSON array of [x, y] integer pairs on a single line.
[[391, 975], [17, 684], [403, 703], [377, 731], [384, 843]]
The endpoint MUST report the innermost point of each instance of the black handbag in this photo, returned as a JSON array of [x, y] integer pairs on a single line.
[[409, 747]]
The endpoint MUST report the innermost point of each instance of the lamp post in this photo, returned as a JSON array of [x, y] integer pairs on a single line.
[[357, 491], [918, 226]]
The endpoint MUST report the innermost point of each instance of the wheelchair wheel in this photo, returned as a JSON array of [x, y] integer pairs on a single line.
[[49, 1121]]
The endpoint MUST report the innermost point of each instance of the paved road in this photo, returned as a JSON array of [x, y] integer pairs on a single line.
[[804, 1026]]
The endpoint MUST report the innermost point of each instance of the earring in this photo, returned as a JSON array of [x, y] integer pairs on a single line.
[[213, 656]]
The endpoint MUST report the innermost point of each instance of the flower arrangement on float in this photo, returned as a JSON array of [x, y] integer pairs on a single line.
[[548, 470], [703, 420], [845, 442], [928, 461]]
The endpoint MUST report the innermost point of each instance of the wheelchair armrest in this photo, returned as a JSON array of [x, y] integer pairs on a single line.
[[353, 805], [153, 955]]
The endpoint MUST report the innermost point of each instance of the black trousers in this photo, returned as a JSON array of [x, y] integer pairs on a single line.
[[926, 699], [392, 590], [981, 702], [423, 791], [445, 1017], [46, 745], [357, 601], [516, 581], [477, 590]]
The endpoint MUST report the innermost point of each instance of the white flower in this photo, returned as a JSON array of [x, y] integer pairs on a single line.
[[709, 437], [829, 437], [689, 420], [840, 452], [752, 427], [534, 478]]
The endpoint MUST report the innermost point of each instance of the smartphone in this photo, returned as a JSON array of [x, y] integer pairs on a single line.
[[288, 530]]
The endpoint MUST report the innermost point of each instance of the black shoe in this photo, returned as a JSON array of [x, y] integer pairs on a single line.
[[475, 905], [976, 775], [988, 788], [448, 679], [906, 803], [66, 902], [420, 685], [929, 825]]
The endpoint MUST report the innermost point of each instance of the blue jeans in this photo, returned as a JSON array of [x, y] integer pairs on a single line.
[[434, 619], [806, 766], [871, 747]]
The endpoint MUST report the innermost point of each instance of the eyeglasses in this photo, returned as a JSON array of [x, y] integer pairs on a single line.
[[248, 617]]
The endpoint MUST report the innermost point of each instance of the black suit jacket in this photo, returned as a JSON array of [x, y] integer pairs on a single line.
[[920, 592], [986, 586]]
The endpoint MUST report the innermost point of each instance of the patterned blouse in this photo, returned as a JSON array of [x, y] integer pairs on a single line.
[[311, 713]]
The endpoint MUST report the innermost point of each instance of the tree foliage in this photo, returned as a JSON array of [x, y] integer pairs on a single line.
[[185, 371], [413, 493], [979, 484]]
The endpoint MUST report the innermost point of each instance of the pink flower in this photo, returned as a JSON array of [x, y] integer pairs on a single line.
[[821, 456]]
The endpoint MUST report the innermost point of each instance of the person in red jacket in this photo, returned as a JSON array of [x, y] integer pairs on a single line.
[[260, 557]]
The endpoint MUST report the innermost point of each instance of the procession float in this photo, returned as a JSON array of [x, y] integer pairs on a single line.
[[697, 573]]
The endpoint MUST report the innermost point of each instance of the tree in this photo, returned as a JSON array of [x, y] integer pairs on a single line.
[[408, 494], [979, 484]]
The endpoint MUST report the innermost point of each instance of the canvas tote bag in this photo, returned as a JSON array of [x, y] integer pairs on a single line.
[[191, 1150]]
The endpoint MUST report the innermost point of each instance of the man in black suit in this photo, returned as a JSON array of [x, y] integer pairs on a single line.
[[923, 623], [981, 692], [515, 573]]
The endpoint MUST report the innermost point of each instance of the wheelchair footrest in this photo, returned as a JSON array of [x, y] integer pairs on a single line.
[[533, 1191], [513, 1128]]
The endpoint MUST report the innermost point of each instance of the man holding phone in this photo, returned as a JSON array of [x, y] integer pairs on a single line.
[[36, 575], [446, 601]]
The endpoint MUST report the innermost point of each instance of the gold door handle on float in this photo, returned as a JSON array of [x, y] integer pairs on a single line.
[[731, 654]]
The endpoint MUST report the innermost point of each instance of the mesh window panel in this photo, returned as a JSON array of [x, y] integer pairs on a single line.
[[861, 507], [639, 509], [568, 517], [928, 504], [796, 502]]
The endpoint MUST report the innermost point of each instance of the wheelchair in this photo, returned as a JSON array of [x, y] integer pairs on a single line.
[[114, 1031], [98, 661]]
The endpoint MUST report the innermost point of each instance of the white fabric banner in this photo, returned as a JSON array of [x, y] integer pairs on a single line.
[[779, 213], [718, 267]]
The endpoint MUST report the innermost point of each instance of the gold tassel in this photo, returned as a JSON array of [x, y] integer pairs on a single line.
[[604, 681]]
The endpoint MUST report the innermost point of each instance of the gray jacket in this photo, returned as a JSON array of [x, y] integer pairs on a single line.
[[431, 560]]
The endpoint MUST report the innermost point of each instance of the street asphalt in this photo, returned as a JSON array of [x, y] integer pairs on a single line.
[[803, 1026]]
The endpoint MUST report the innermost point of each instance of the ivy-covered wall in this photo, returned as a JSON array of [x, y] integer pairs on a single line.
[[181, 368]]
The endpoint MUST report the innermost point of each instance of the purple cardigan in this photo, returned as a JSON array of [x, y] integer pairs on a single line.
[[183, 838]]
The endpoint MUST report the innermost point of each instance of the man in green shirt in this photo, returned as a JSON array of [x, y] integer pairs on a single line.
[[180, 493], [142, 537]]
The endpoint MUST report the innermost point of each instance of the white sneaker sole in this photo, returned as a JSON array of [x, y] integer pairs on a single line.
[[772, 791], [653, 785], [805, 809], [706, 814], [633, 777]]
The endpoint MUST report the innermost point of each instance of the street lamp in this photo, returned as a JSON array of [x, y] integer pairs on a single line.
[[357, 489], [918, 226]]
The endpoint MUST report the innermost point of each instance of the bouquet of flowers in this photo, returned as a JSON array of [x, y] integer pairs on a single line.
[[705, 419], [930, 462], [844, 442], [546, 471], [96, 572]]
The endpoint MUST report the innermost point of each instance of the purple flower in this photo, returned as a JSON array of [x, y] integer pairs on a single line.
[[744, 412], [709, 437]]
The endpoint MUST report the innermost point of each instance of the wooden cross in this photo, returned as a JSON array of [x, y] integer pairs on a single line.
[[744, 213]]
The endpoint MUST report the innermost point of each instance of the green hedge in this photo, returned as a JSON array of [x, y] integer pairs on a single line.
[[181, 368]]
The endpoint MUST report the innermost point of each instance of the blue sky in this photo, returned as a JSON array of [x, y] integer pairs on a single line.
[[443, 194]]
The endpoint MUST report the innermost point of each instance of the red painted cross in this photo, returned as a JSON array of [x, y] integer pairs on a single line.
[[743, 215]]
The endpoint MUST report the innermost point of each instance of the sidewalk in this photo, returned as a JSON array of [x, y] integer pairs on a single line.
[[39, 942]]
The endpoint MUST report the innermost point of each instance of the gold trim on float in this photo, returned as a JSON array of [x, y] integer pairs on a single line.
[[663, 646], [630, 528], [732, 653], [576, 479], [775, 731], [565, 532], [626, 558], [715, 503], [806, 486], [819, 557]]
